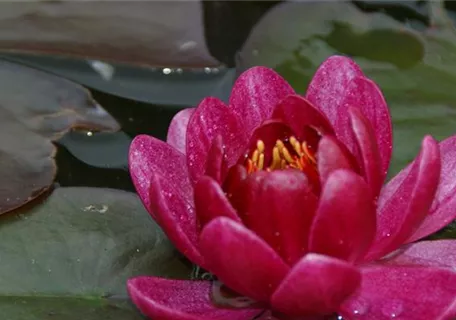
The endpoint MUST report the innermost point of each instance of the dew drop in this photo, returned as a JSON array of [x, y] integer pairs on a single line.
[[360, 307], [393, 309], [386, 234]]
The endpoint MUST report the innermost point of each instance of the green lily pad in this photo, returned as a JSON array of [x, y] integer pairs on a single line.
[[101, 150], [69, 256], [157, 33], [35, 109], [416, 70]]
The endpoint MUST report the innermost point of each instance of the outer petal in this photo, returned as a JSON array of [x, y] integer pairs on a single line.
[[442, 211], [178, 129], [213, 118], [255, 94], [316, 285], [211, 202], [344, 225], [405, 201], [162, 299], [241, 260], [367, 150], [331, 156], [364, 94], [281, 206], [402, 292], [329, 84], [297, 112], [176, 216], [149, 156], [438, 253]]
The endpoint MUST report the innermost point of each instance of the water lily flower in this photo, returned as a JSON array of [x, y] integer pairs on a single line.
[[282, 198]]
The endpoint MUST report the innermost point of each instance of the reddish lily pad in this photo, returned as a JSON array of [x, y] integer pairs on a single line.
[[158, 33], [69, 256], [35, 109]]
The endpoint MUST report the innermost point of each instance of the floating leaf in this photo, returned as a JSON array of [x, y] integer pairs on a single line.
[[158, 33], [139, 83], [102, 150], [35, 108], [415, 68], [69, 257]]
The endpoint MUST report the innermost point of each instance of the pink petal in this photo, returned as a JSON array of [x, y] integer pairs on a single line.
[[332, 156], [408, 293], [211, 202], [281, 206], [216, 166], [316, 285], [255, 94], [176, 216], [367, 151], [149, 156], [329, 83], [297, 112], [442, 211], [437, 253], [363, 94], [406, 199], [212, 118], [163, 299], [178, 129], [241, 260], [344, 225], [234, 186]]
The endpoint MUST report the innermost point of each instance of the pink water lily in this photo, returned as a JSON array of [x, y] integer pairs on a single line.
[[282, 198]]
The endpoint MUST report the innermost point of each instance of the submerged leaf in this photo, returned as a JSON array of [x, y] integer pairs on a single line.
[[35, 109]]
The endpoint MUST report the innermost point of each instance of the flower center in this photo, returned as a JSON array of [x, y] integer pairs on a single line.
[[286, 154]]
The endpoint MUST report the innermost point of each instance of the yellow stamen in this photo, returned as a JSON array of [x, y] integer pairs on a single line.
[[275, 158], [260, 146], [293, 155], [261, 162], [296, 146]]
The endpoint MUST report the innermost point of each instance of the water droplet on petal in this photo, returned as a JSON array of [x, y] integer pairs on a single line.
[[393, 309], [360, 307]]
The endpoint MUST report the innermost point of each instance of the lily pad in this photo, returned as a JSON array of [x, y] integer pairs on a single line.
[[414, 67], [69, 256], [157, 33], [101, 150], [35, 109], [138, 83]]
